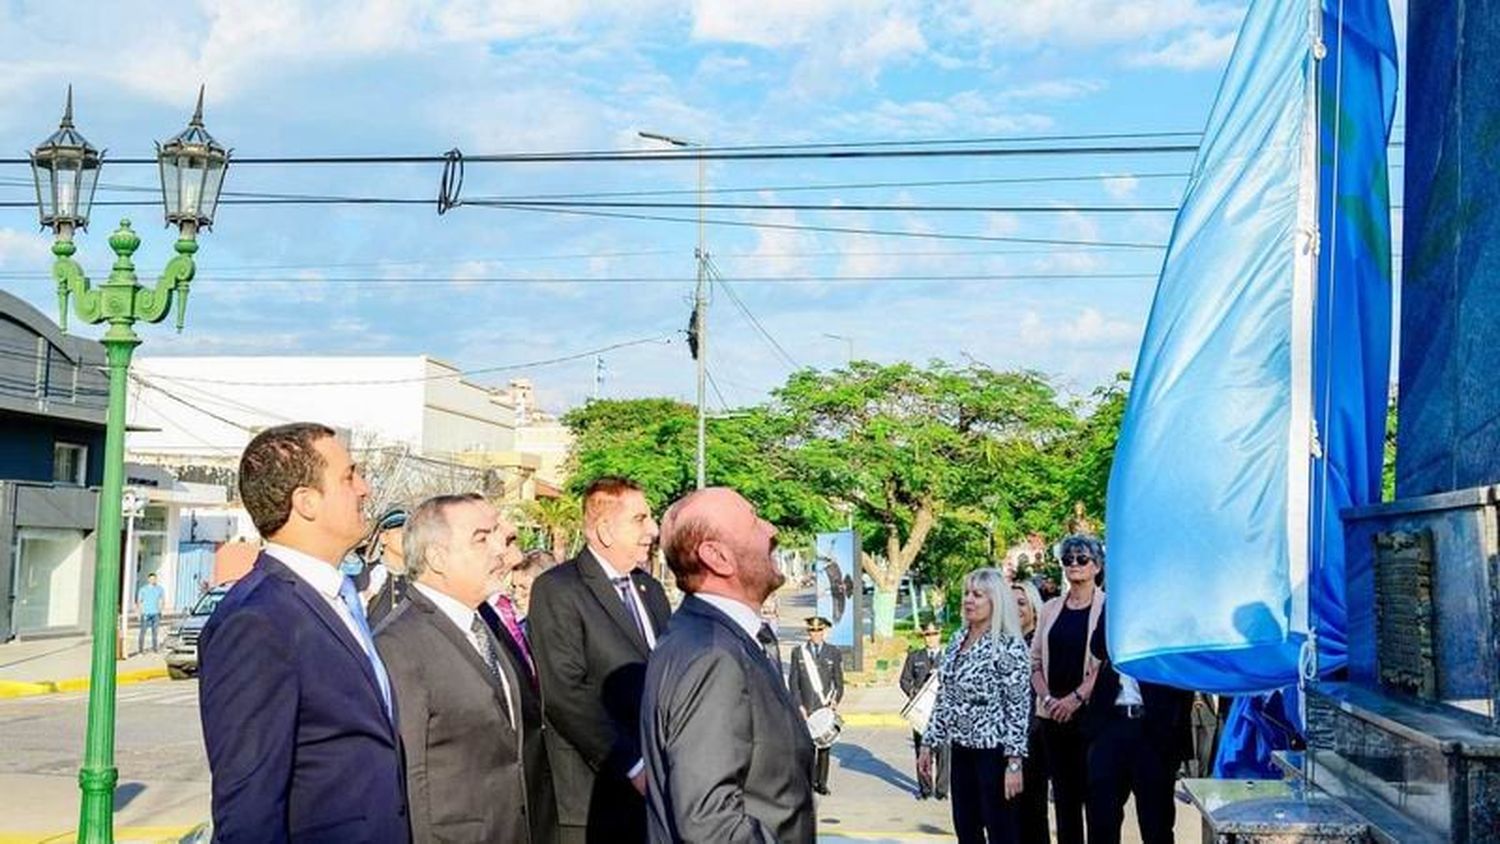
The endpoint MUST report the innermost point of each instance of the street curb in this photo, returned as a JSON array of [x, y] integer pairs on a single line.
[[21, 688], [874, 719], [152, 834]]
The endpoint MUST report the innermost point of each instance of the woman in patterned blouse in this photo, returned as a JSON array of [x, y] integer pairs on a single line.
[[983, 712]]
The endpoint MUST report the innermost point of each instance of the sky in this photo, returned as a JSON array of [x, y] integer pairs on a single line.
[[486, 288]]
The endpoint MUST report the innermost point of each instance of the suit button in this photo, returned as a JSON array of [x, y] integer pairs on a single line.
[[401, 812]]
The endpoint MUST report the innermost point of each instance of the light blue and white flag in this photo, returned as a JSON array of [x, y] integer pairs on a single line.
[[1258, 403]]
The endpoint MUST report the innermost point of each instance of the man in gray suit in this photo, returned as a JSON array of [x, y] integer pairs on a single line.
[[728, 757], [476, 769]]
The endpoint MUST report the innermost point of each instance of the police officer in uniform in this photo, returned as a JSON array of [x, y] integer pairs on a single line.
[[816, 682], [920, 664]]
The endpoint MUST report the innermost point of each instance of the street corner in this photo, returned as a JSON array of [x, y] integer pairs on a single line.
[[187, 834]]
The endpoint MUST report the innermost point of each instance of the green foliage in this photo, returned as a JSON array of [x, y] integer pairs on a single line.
[[939, 467], [1388, 467]]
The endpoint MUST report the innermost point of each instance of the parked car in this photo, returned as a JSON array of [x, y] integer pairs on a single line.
[[182, 642]]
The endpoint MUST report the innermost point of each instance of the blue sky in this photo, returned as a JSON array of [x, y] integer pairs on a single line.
[[493, 287]]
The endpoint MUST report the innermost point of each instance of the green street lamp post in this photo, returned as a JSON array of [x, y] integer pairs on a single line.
[[66, 170]]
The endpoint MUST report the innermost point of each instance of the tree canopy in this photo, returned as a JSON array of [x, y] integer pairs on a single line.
[[938, 466]]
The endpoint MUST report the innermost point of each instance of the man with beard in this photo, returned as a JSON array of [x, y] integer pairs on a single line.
[[728, 757], [593, 623], [473, 770]]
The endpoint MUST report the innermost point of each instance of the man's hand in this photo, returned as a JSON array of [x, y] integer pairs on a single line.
[[1064, 707], [639, 781], [1013, 784]]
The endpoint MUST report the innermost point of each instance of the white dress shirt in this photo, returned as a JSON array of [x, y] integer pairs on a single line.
[[748, 619], [1130, 691], [640, 606], [324, 578], [464, 617]]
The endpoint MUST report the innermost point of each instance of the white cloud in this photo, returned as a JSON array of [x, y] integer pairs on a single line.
[[1121, 187], [1056, 89], [1197, 50], [964, 112], [25, 250], [1091, 21]]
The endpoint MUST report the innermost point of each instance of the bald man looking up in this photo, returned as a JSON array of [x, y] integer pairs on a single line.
[[728, 757]]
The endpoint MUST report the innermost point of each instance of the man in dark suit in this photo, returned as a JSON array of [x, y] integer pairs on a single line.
[[817, 681], [297, 713], [727, 754], [920, 664], [1139, 734], [470, 771], [593, 623]]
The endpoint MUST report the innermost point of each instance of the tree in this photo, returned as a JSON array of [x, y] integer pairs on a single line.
[[653, 442], [558, 520], [902, 446]]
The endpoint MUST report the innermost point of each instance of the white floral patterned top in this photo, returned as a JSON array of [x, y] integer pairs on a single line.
[[984, 696]]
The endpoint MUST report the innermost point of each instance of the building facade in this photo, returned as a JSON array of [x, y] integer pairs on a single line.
[[53, 399]]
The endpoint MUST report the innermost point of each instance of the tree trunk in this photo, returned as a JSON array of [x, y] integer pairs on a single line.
[[899, 557]]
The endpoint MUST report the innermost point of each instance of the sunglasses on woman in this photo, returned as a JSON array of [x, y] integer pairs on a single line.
[[1077, 560]]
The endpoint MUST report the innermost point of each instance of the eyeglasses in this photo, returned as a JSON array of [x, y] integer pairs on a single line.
[[1077, 560]]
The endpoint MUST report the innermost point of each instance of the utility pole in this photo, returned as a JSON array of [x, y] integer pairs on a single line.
[[598, 375], [700, 302]]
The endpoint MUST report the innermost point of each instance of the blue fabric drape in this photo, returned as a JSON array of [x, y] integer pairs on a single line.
[[1203, 487]]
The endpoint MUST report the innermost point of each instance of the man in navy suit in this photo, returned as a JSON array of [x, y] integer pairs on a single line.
[[297, 712]]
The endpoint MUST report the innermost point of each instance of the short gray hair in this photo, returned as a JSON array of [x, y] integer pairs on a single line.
[[427, 528]]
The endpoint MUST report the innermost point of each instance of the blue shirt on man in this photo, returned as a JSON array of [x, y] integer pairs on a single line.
[[150, 597]]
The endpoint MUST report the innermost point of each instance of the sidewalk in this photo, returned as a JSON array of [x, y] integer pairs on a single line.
[[45, 666]]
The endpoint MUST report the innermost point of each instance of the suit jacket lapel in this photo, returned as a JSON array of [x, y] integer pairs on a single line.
[[335, 624], [692, 604], [459, 640], [608, 597]]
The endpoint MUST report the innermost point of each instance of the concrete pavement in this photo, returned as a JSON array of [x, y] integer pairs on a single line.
[[47, 666]]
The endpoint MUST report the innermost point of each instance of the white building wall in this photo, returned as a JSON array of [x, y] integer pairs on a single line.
[[462, 417], [212, 406]]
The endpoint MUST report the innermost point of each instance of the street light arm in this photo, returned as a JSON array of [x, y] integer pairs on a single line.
[[71, 282], [152, 305]]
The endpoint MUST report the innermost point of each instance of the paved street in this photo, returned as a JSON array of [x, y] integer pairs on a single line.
[[159, 751]]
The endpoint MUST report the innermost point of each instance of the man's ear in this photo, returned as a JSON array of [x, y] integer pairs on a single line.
[[606, 532], [437, 560], [712, 554], [306, 502]]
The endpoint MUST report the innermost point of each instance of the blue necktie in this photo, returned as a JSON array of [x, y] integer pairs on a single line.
[[350, 595]]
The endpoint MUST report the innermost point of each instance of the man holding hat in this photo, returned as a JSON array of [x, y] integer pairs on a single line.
[[921, 663], [816, 682]]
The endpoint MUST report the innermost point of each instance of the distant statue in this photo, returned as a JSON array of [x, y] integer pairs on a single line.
[[1079, 522]]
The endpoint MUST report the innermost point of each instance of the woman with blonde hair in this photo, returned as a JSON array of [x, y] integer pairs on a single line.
[[1033, 808], [983, 712]]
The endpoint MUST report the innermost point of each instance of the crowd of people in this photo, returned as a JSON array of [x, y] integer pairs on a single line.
[[438, 685], [1027, 701]]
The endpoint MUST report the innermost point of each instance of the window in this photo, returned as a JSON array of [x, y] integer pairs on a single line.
[[70, 463]]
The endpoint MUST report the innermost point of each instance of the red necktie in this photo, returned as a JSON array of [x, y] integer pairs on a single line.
[[507, 611]]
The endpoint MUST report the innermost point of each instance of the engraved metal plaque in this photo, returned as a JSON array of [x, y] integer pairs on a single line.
[[1404, 612]]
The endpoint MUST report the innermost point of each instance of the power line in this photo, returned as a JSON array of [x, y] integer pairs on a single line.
[[750, 317], [832, 229], [840, 207], [136, 377], [662, 279], [420, 378], [712, 383], [952, 147]]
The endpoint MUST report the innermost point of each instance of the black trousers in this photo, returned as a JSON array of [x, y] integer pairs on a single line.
[[1067, 765], [980, 811], [1122, 761], [1033, 800], [939, 769], [820, 769]]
